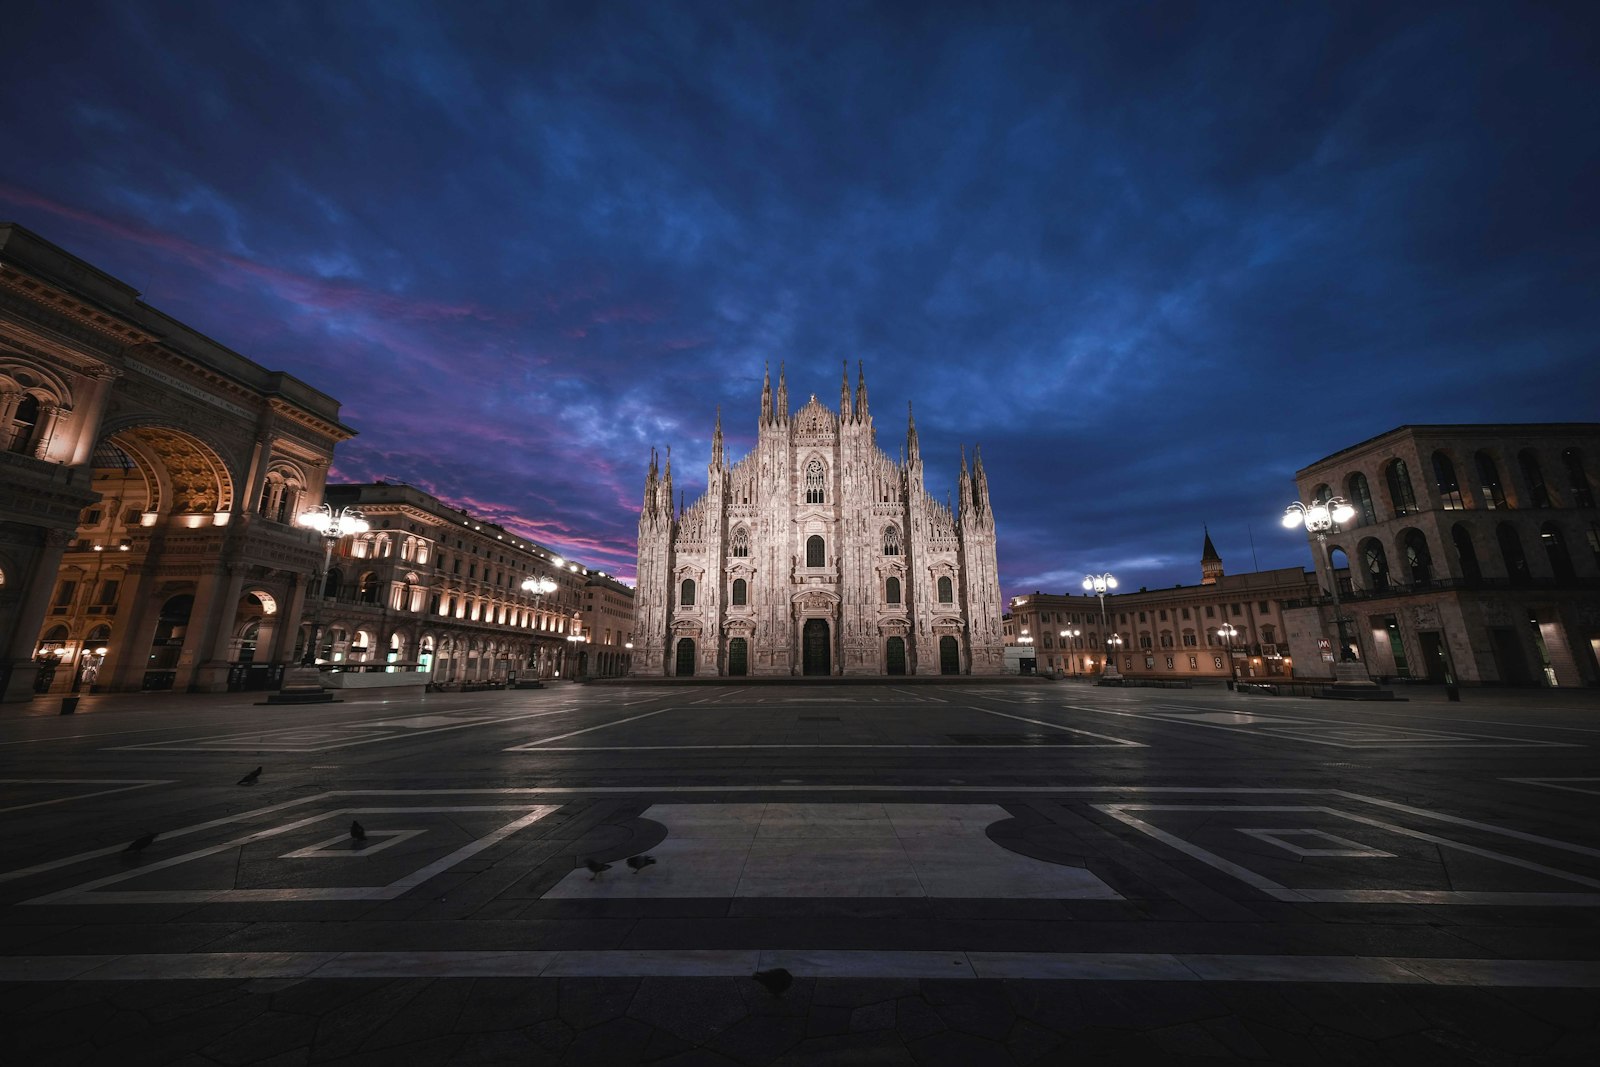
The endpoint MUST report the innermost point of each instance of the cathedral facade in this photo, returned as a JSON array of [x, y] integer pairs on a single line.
[[817, 554]]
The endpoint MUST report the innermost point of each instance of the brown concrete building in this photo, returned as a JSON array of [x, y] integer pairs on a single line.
[[148, 481], [1475, 549], [1168, 634]]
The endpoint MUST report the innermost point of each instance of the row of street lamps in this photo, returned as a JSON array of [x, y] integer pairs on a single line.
[[1319, 519]]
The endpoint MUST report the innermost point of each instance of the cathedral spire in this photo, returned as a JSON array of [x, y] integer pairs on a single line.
[[783, 395], [844, 391], [861, 392], [913, 451], [664, 502], [766, 393], [650, 487], [716, 442], [980, 483]]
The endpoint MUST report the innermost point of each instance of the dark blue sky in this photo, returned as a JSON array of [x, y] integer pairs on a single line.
[[1153, 257]]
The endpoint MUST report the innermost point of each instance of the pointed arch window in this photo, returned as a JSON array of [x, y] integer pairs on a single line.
[[1538, 491], [1493, 494], [1577, 479], [1361, 494], [686, 593], [947, 591], [816, 552], [891, 540], [739, 544], [891, 590], [1444, 476], [815, 475], [741, 593], [1399, 479]]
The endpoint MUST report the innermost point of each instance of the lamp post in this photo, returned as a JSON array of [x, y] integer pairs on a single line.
[[538, 585], [1319, 518], [1026, 642], [1227, 632], [331, 524], [1069, 640], [1113, 643], [1099, 584]]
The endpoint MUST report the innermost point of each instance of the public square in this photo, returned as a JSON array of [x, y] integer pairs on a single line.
[[977, 873]]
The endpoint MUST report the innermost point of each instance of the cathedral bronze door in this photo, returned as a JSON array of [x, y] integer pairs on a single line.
[[685, 656], [814, 641], [738, 656], [949, 656], [897, 655]]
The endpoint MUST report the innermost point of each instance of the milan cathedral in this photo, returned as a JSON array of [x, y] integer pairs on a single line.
[[817, 554]]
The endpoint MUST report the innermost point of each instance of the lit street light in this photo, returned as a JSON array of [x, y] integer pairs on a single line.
[[1100, 584], [1069, 641], [539, 586], [1227, 632], [331, 525], [1319, 518]]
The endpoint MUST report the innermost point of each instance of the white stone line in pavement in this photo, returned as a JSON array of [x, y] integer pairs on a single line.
[[531, 745], [271, 740], [1188, 715], [809, 963], [1551, 783], [123, 785], [86, 892], [1116, 742], [1279, 891]]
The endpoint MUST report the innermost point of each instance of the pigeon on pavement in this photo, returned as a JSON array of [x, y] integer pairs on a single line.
[[596, 868], [139, 844], [639, 863], [250, 779], [358, 831]]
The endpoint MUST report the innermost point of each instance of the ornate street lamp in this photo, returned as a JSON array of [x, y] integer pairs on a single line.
[[331, 524], [540, 586], [1319, 518], [1099, 584], [1227, 632], [1069, 641]]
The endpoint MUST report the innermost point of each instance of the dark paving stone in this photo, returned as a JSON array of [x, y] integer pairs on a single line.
[[507, 1004], [759, 1039], [957, 1050], [583, 1003], [268, 1034], [694, 1009], [848, 1050]]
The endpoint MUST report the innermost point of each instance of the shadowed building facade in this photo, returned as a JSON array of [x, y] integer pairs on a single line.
[[817, 554], [1474, 551]]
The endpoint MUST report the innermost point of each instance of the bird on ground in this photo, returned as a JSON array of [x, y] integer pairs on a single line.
[[774, 981], [358, 832], [639, 863], [596, 868], [250, 779], [139, 844]]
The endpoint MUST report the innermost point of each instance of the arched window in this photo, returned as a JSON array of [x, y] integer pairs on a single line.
[[686, 593], [1511, 554], [1399, 479], [814, 480], [1555, 547], [1375, 562], [816, 552], [891, 590], [739, 543], [1466, 555], [1578, 479], [740, 592], [947, 591], [1339, 565], [23, 421], [1322, 494], [1361, 497], [1166, 638], [1444, 476], [1538, 492], [1419, 562], [1489, 487], [891, 540], [1269, 634]]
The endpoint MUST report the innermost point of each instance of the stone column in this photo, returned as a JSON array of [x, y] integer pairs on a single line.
[[35, 601], [9, 402], [49, 416], [204, 658]]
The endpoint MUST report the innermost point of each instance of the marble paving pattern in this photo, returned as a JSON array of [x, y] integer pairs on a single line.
[[834, 850]]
